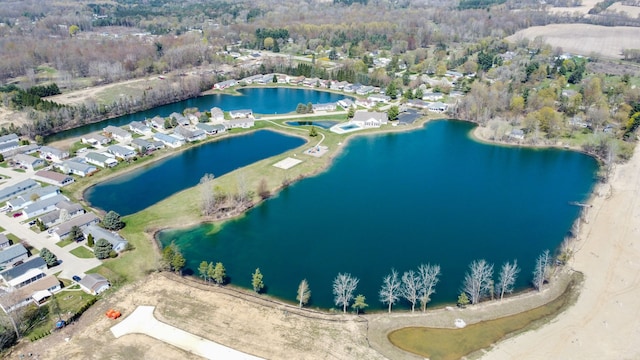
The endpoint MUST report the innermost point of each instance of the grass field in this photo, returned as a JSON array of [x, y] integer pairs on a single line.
[[450, 344], [82, 252], [63, 243]]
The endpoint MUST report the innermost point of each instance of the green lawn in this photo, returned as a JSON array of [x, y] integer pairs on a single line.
[[2, 229], [14, 239], [82, 252], [19, 170], [450, 344], [69, 302], [63, 243]]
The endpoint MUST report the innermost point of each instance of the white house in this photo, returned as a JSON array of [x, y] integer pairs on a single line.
[[82, 221], [17, 189], [43, 206], [224, 84], [168, 140], [123, 152], [118, 134], [140, 128], [53, 178], [9, 142], [76, 167], [240, 114], [94, 284], [369, 119], [54, 154], [217, 115], [95, 140], [117, 241], [100, 159], [190, 135], [239, 123], [28, 161]]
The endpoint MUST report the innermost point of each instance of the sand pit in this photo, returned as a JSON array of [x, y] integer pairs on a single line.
[[287, 163], [317, 151], [584, 39]]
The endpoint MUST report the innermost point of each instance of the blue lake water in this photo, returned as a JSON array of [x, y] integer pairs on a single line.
[[139, 189], [261, 100], [398, 200]]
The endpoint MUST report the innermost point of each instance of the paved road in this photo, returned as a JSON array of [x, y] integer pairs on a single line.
[[142, 321], [69, 264]]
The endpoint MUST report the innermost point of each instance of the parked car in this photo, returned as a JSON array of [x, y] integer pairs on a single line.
[[18, 214], [76, 278]]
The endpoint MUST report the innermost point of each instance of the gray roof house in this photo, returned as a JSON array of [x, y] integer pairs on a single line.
[[95, 139], [33, 195], [211, 129], [239, 114], [190, 135], [54, 154], [124, 152], [100, 159], [168, 140], [13, 190], [76, 167], [142, 145], [4, 241], [9, 142], [118, 243], [217, 115], [324, 107], [369, 119], [117, 133], [13, 254], [64, 211], [37, 293], [139, 127], [239, 123], [43, 206], [82, 221], [156, 122], [28, 161], [35, 262], [53, 178], [181, 119], [94, 284], [26, 278]]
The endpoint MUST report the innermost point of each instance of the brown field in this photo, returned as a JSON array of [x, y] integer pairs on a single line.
[[631, 11], [584, 9], [584, 39]]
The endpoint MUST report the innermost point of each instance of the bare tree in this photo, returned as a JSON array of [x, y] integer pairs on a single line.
[[343, 287], [428, 275], [507, 278], [478, 281], [304, 293], [541, 270], [390, 291], [411, 287], [208, 196]]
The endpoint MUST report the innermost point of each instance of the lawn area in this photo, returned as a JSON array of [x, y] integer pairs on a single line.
[[450, 344], [69, 303], [14, 239], [2, 229], [82, 252], [63, 243]]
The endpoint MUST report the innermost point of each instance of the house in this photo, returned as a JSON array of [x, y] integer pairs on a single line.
[[35, 293], [33, 195], [379, 98], [142, 145], [364, 90], [53, 178], [64, 211], [434, 96], [346, 103], [14, 190], [516, 134], [26, 278], [28, 161], [239, 123], [217, 115], [282, 78], [76, 167], [53, 154], [139, 128], [240, 114], [338, 85], [324, 107], [224, 84], [100, 159], [180, 119], [211, 129], [369, 119], [190, 135], [9, 142], [156, 122], [94, 284], [438, 107], [34, 262], [4, 241], [12, 254], [82, 221], [123, 152], [365, 103], [43, 206], [168, 140], [420, 104], [157, 144], [118, 243], [29, 149], [117, 134], [95, 140]]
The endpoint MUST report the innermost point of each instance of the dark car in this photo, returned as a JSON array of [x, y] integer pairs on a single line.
[[76, 278]]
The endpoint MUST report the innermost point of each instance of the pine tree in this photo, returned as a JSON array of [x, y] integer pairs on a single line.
[[256, 281]]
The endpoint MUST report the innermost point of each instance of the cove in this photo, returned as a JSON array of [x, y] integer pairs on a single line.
[[396, 201], [278, 100], [141, 188]]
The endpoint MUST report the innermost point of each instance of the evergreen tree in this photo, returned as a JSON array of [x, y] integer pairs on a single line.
[[75, 233], [202, 270], [256, 281], [90, 241], [359, 303], [178, 261], [102, 249], [313, 132], [219, 274], [112, 221], [50, 258]]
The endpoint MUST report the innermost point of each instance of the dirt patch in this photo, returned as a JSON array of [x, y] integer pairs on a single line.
[[8, 117], [584, 39]]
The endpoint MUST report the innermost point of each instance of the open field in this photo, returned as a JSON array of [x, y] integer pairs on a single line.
[[631, 11], [583, 9], [584, 39], [106, 94]]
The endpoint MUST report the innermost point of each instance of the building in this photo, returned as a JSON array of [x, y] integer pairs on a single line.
[[140, 128], [324, 107], [142, 145], [43, 206], [12, 254], [369, 119], [118, 134], [64, 211], [379, 98], [239, 123], [82, 221], [28, 161], [241, 114], [118, 243], [35, 293], [9, 142], [190, 135], [94, 284], [156, 122], [33, 195], [123, 152], [76, 167], [17, 189], [211, 129], [346, 103], [26, 278], [224, 84], [4, 241], [53, 178], [35, 262], [53, 154], [168, 140], [100, 159], [217, 115], [438, 107], [95, 140]]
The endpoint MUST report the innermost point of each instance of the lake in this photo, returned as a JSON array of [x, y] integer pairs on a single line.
[[398, 200], [152, 183], [277, 100]]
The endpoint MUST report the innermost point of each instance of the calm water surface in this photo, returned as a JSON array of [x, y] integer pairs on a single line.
[[396, 201], [260, 100], [135, 191]]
